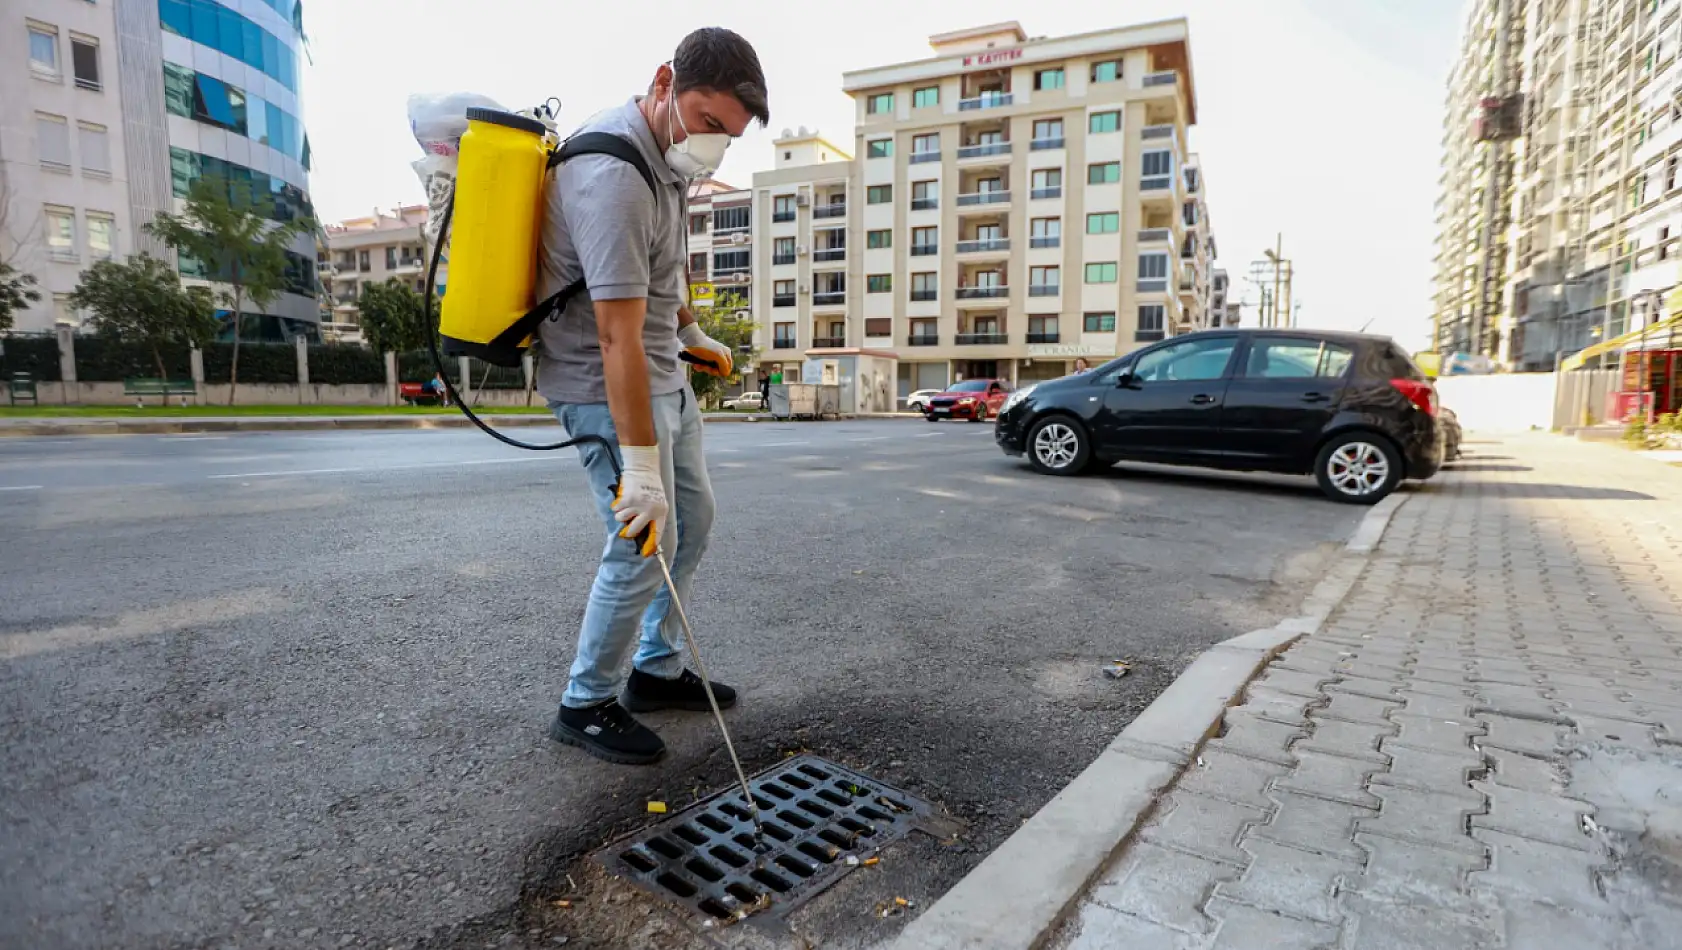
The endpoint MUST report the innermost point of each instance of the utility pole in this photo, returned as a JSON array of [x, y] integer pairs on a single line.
[[1277, 254]]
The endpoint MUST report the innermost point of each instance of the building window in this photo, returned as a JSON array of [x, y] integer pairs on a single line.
[[60, 229], [987, 186], [1102, 273], [1048, 79], [698, 224], [926, 144], [1103, 173], [1045, 276], [925, 97], [220, 28], [880, 104], [1099, 122], [1108, 70], [1152, 318], [925, 195], [782, 250], [879, 194], [64, 314], [43, 50], [52, 139], [102, 230], [1664, 243], [1670, 175], [732, 219], [783, 287], [924, 286], [879, 148], [1188, 214], [1042, 326], [731, 260], [1098, 322], [1103, 222], [84, 62], [391, 257], [1047, 178], [879, 239], [1158, 163], [364, 263], [1047, 129], [878, 326], [782, 208], [784, 338], [1152, 266], [878, 283]]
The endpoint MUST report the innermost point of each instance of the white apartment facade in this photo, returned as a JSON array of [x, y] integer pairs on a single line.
[[110, 109], [370, 250], [1561, 204]]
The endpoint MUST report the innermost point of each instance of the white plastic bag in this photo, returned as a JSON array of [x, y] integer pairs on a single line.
[[438, 121]]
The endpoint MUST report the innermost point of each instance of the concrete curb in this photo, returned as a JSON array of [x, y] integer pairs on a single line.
[[94, 425], [1014, 898]]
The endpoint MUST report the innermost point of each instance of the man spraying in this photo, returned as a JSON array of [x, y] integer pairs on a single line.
[[611, 367]]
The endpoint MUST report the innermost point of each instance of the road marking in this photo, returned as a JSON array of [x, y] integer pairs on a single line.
[[20, 487], [940, 493], [776, 445], [924, 435], [874, 438], [377, 468], [712, 451], [192, 438]]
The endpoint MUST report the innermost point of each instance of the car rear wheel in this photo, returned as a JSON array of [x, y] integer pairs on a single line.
[[1057, 445], [1359, 468], [929, 416]]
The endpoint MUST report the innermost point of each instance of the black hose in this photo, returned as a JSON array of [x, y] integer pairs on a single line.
[[449, 387]]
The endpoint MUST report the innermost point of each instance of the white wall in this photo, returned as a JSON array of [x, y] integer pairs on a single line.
[[1512, 402]]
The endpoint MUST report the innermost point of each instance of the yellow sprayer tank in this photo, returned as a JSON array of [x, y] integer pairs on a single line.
[[494, 229]]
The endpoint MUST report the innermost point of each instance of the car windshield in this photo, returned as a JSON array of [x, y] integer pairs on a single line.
[[970, 386]]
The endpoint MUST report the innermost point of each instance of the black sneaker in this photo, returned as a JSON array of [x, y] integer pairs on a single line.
[[646, 693], [607, 731]]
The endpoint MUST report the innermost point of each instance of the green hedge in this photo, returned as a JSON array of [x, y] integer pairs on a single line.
[[346, 365], [104, 360], [258, 362], [416, 366], [35, 355]]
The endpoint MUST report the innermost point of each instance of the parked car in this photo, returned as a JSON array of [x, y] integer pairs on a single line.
[[919, 400], [1351, 409], [1451, 433], [745, 401], [972, 399]]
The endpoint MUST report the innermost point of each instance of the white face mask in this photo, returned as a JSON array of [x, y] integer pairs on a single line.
[[700, 153]]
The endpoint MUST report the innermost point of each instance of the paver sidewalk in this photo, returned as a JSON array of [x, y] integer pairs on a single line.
[[1481, 748]]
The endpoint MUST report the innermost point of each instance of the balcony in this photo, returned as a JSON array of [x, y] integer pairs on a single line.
[[987, 100], [983, 246], [829, 254], [1041, 145], [990, 292], [1167, 77], [1044, 337], [918, 158], [830, 211], [1048, 240], [783, 343], [923, 339], [782, 300], [923, 296], [782, 258], [983, 150], [1156, 286], [1044, 290], [829, 298], [982, 339], [1055, 191], [1156, 132], [984, 198], [1156, 236], [924, 204], [778, 217], [828, 342], [924, 250]]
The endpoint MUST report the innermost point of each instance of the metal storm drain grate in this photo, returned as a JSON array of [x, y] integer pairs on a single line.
[[816, 814]]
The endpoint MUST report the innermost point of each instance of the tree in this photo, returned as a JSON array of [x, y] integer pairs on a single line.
[[17, 291], [392, 317], [142, 302], [721, 323], [226, 229]]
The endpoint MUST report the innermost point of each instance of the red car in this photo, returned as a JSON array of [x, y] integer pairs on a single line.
[[972, 399]]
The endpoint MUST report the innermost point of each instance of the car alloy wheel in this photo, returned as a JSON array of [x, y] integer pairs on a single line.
[[1056, 446], [1358, 468]]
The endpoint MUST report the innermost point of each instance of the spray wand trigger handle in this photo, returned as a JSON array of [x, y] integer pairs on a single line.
[[688, 357], [645, 540]]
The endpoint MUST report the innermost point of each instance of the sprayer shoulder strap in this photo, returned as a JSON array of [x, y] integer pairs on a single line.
[[584, 143]]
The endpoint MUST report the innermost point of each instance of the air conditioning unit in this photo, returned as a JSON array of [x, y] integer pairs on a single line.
[[802, 199], [743, 314], [740, 277], [805, 289], [738, 238], [801, 250]]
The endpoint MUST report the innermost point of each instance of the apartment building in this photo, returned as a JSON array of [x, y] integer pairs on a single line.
[[1220, 313], [1561, 204], [721, 243], [800, 206], [110, 110], [370, 250], [1197, 254], [986, 175]]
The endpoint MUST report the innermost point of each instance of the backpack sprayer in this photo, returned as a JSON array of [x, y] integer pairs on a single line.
[[489, 165]]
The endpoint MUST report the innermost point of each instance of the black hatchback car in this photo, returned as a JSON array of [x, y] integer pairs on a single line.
[[1351, 409]]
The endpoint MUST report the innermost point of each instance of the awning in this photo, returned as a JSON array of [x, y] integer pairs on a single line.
[[1576, 360]]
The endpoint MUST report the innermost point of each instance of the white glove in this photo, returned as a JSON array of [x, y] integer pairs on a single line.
[[640, 501], [714, 356]]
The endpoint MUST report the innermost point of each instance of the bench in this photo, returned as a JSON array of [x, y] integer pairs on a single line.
[[142, 386], [416, 393], [21, 386]]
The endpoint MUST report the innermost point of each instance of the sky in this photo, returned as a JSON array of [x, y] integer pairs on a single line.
[[1320, 120]]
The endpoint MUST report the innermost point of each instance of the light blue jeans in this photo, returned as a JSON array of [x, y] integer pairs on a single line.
[[629, 601]]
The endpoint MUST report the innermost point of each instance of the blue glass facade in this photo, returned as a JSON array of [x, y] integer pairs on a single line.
[[194, 95], [208, 23]]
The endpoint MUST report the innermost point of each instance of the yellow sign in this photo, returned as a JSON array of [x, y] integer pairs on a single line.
[[701, 295]]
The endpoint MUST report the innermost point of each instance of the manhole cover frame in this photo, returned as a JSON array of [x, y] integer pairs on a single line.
[[701, 859]]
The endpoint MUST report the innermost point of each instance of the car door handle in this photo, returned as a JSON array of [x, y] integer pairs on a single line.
[[1202, 399], [1314, 397]]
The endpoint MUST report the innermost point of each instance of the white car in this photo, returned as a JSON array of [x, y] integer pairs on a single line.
[[752, 401], [919, 400]]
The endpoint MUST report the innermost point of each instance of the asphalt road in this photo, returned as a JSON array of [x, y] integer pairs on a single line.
[[291, 690]]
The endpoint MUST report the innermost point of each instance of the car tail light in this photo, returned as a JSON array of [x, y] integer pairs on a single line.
[[1420, 392]]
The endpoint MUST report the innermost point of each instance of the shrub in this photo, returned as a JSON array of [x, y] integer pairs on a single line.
[[258, 362], [346, 365], [101, 359], [35, 355]]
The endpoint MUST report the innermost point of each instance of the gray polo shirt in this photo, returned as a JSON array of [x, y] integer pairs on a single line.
[[601, 222]]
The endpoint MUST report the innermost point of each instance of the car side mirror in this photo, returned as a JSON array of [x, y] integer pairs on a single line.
[[1126, 380]]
